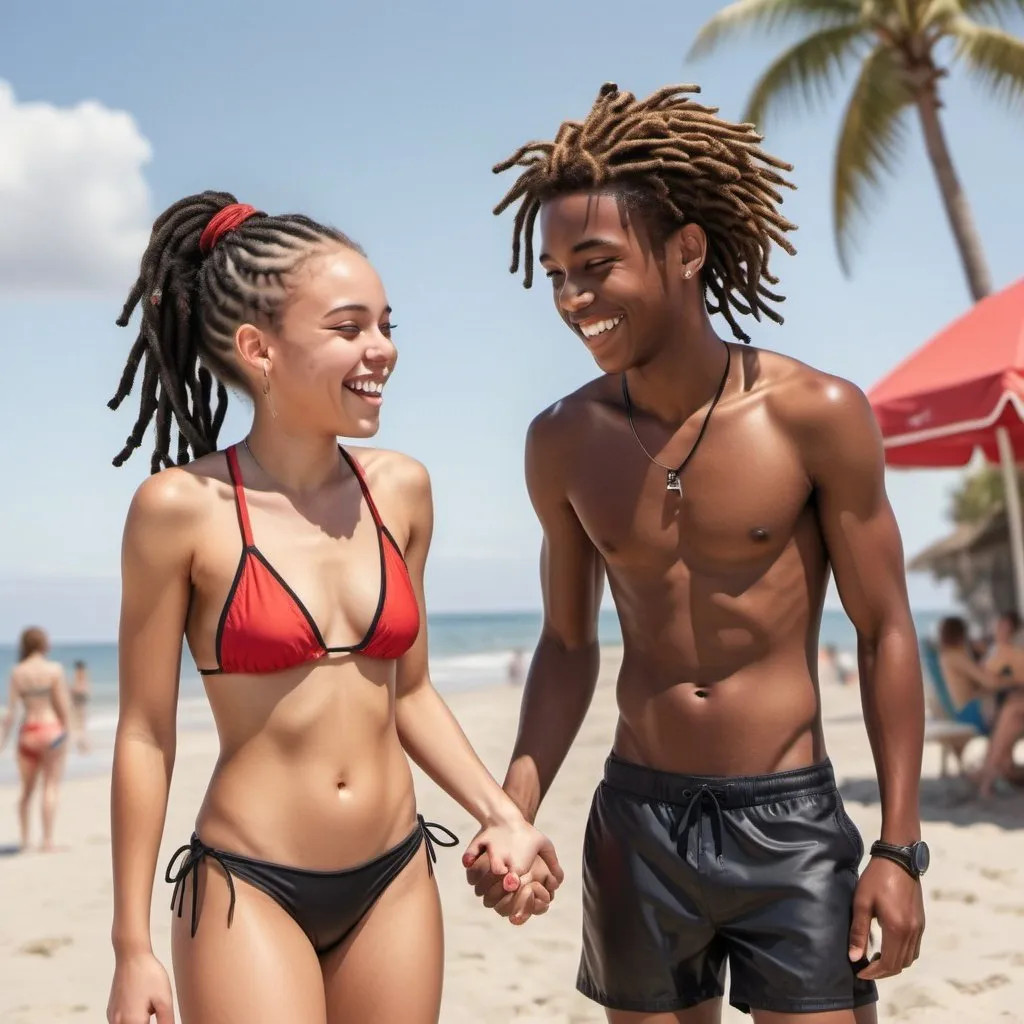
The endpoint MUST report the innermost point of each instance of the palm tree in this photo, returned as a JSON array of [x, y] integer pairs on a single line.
[[903, 48], [980, 494]]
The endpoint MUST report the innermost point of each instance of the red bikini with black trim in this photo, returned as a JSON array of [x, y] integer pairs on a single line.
[[265, 628]]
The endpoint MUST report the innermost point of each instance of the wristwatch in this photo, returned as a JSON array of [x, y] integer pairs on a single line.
[[914, 859]]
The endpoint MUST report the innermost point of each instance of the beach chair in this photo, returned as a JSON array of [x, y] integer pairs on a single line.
[[941, 725]]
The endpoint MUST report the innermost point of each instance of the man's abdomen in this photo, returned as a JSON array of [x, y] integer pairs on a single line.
[[763, 718]]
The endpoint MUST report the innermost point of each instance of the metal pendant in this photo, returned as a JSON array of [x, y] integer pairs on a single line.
[[673, 483]]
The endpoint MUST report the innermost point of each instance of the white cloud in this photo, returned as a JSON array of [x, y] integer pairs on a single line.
[[74, 206]]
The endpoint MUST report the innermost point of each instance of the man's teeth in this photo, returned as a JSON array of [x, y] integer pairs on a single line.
[[368, 387], [592, 330]]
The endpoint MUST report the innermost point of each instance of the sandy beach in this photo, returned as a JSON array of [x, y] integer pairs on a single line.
[[56, 962]]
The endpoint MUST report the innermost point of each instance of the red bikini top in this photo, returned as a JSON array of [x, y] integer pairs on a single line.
[[264, 627]]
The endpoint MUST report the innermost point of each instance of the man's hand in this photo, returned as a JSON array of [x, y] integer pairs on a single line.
[[533, 897], [889, 894]]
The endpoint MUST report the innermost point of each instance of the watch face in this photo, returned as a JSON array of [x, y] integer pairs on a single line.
[[921, 856]]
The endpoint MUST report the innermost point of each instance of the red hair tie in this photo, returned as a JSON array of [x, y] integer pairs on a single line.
[[224, 220]]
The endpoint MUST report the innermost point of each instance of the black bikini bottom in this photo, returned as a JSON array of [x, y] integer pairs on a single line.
[[326, 905]]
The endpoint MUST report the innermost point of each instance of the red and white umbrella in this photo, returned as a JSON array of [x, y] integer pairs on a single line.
[[961, 392]]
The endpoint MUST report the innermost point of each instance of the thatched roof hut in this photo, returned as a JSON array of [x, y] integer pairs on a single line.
[[977, 557]]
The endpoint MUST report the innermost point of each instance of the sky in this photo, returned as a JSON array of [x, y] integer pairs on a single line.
[[385, 121]]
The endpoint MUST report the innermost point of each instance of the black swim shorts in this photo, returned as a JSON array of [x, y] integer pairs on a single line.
[[682, 874]]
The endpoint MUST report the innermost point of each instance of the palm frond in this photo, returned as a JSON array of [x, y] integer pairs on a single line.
[[993, 57], [768, 15], [806, 72], [936, 15], [999, 11], [870, 141]]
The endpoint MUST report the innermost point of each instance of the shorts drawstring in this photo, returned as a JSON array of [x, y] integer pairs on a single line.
[[697, 799]]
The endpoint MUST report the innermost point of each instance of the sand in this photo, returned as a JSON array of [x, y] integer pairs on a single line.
[[56, 962]]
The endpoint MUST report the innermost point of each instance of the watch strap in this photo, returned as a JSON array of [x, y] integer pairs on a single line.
[[901, 855]]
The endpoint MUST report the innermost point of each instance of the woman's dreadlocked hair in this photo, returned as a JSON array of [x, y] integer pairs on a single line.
[[192, 303], [676, 158]]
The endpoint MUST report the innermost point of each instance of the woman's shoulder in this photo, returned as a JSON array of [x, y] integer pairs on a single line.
[[392, 471], [180, 495]]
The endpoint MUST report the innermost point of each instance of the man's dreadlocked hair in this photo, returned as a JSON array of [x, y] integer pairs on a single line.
[[192, 303], [676, 159]]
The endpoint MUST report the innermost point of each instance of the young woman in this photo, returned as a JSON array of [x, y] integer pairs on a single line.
[[1006, 656], [38, 685], [293, 568]]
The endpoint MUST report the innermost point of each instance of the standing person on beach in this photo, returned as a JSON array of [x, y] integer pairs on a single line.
[[37, 684], [80, 693], [515, 668], [716, 486], [293, 568]]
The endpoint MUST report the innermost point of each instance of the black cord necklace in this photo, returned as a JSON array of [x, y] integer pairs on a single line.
[[672, 478]]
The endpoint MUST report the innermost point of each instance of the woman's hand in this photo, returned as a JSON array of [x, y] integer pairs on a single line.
[[532, 899], [140, 990], [511, 848]]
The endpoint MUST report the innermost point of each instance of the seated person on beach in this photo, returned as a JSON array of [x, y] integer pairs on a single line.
[[716, 487], [293, 569], [37, 684], [990, 700], [976, 690]]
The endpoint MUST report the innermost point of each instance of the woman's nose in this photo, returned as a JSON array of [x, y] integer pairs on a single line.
[[381, 350]]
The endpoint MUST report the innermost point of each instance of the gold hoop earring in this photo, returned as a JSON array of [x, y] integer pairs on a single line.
[[266, 388]]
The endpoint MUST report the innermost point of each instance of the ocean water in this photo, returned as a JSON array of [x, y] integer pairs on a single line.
[[466, 652]]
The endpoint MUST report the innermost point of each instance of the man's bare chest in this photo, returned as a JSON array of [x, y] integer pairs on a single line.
[[745, 496]]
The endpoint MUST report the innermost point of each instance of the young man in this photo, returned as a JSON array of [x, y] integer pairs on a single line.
[[716, 486]]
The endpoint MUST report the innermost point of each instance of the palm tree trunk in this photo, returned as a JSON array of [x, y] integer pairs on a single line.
[[957, 210]]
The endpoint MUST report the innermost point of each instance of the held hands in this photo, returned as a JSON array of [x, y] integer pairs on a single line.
[[891, 895], [140, 991], [532, 898], [514, 867]]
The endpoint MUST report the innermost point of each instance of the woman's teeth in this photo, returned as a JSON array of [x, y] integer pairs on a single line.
[[592, 330], [366, 387]]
